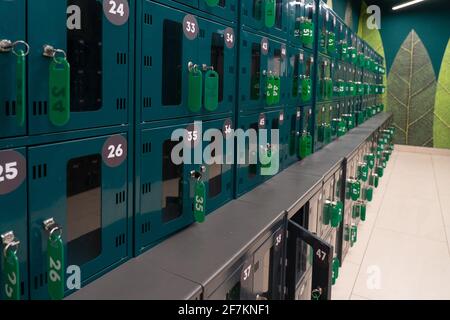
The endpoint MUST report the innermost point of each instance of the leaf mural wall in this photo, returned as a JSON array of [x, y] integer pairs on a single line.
[[441, 128], [373, 38], [412, 88], [330, 4]]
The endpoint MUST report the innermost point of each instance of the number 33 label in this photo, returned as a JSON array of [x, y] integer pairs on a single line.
[[190, 27], [114, 151], [116, 11], [13, 170]]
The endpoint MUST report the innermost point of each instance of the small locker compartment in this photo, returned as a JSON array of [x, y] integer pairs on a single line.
[[339, 75], [13, 58], [263, 72], [182, 177], [13, 225], [267, 16], [299, 81], [259, 274], [324, 79], [293, 125], [327, 32], [338, 124], [195, 60], [77, 211], [302, 23], [323, 125], [308, 270], [260, 148], [306, 143], [78, 74]]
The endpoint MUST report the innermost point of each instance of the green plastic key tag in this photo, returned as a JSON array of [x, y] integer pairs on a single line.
[[269, 89], [20, 87], [305, 149], [307, 32], [370, 160], [337, 214], [59, 91], [363, 172], [200, 201], [355, 190], [331, 43], [374, 180], [342, 128], [368, 194], [55, 260], [363, 211], [195, 88], [327, 212], [11, 267], [276, 90], [212, 3], [269, 13], [354, 235], [306, 89], [211, 90], [335, 270]]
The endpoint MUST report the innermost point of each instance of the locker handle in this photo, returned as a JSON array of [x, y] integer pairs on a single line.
[[11, 266], [55, 259], [195, 87], [9, 46], [199, 205]]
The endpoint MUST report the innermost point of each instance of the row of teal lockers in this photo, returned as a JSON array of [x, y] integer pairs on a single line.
[[91, 92]]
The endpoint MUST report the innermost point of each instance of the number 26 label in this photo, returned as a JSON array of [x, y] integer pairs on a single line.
[[114, 151]]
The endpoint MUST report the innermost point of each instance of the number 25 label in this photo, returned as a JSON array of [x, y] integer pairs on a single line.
[[13, 170]]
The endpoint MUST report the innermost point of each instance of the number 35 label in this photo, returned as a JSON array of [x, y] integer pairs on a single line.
[[116, 11], [13, 170], [114, 151]]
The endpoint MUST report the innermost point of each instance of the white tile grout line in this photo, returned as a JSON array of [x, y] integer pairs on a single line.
[[374, 223], [440, 205]]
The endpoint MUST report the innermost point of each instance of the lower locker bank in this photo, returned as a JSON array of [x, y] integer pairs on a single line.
[[285, 239]]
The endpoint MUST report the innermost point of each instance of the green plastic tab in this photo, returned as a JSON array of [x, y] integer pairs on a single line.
[[342, 128], [363, 211], [374, 180], [59, 92], [305, 149], [306, 89], [211, 90], [212, 3], [276, 90], [335, 270], [307, 32], [337, 214], [269, 13], [368, 194], [380, 171], [363, 172], [195, 88], [56, 267], [11, 276], [269, 90], [354, 190], [370, 160], [200, 201], [331, 43], [21, 79], [354, 235]]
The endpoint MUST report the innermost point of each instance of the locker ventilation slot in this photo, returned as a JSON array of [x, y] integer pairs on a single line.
[[232, 8], [121, 104], [120, 197], [147, 61], [40, 108], [10, 108], [121, 58], [147, 147], [40, 280], [244, 43], [120, 240], [202, 33], [148, 18], [231, 70], [39, 171], [244, 70], [147, 102], [145, 227], [146, 188]]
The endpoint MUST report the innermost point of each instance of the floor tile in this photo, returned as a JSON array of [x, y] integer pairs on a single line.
[[348, 273]]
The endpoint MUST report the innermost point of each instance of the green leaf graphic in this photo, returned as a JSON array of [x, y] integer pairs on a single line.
[[412, 88], [349, 15], [373, 38], [441, 129]]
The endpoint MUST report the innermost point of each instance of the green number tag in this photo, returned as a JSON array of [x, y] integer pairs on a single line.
[[355, 190], [200, 201], [344, 51], [269, 89], [212, 3], [276, 89], [363, 211], [363, 172], [195, 84], [335, 270], [337, 214], [380, 171], [269, 13], [211, 90], [307, 32], [59, 92], [368, 194], [11, 276], [20, 87], [55, 261], [370, 159], [329, 89], [327, 133], [374, 180], [305, 145], [341, 87], [354, 235], [331, 45], [306, 89], [342, 128]]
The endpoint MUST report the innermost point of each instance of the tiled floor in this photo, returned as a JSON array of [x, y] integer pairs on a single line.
[[403, 248]]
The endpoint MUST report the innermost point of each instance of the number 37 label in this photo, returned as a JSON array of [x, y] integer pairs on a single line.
[[114, 151]]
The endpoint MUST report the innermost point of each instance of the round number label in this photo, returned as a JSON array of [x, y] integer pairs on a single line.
[[116, 11], [264, 46], [115, 151], [13, 170], [193, 135], [283, 51], [190, 27], [262, 121], [228, 128], [229, 38], [299, 113], [281, 118]]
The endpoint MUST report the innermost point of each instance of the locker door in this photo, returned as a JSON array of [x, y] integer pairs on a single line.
[[169, 44], [98, 53], [13, 225], [295, 72], [268, 275], [217, 52], [324, 224], [275, 120], [276, 70], [13, 108], [293, 125], [82, 186], [226, 9]]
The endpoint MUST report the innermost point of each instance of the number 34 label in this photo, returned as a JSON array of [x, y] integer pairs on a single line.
[[116, 11], [13, 170], [114, 151]]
